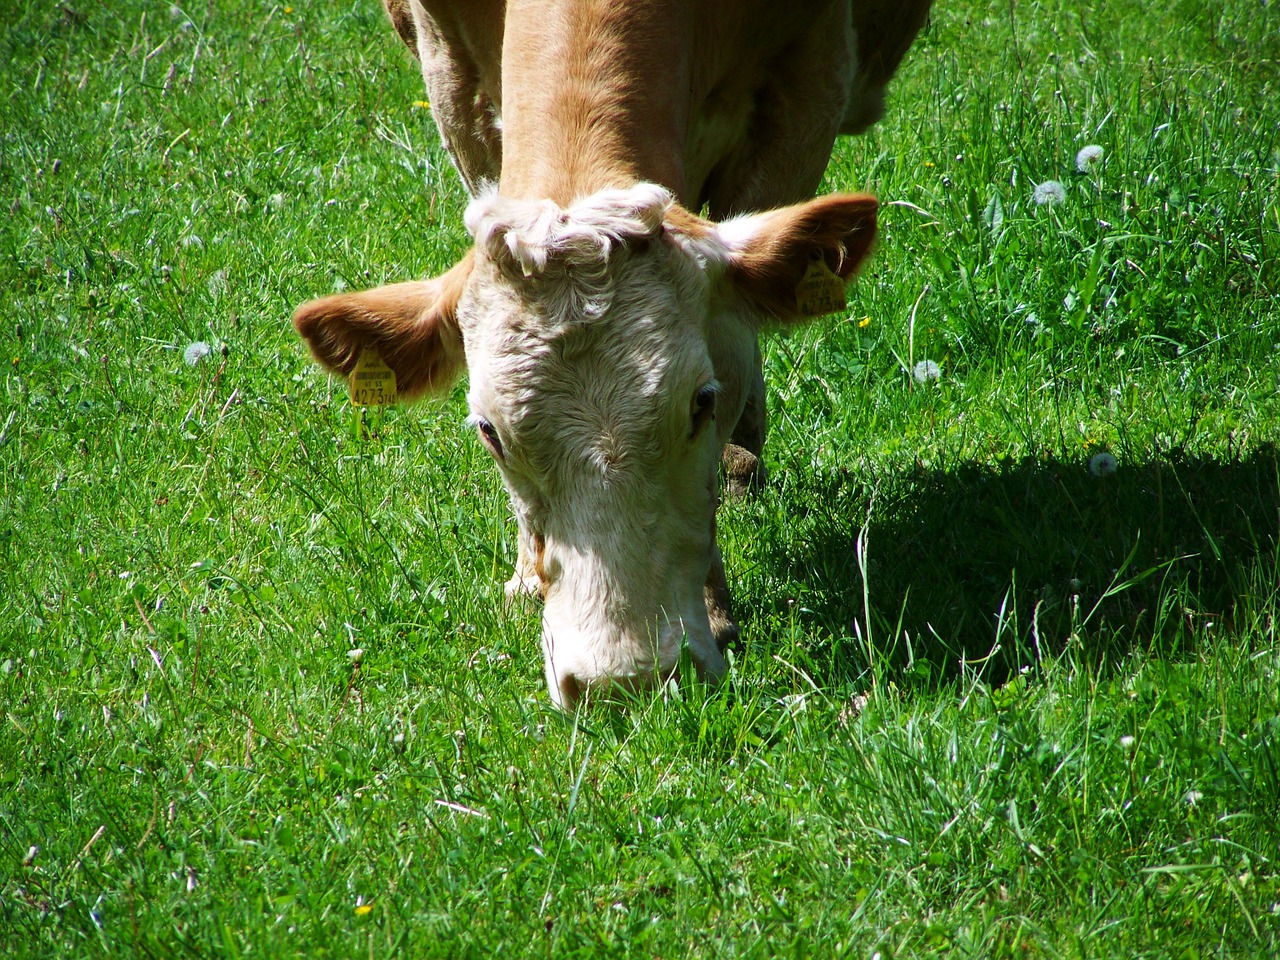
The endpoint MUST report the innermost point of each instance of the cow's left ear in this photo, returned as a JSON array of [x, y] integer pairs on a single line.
[[794, 262]]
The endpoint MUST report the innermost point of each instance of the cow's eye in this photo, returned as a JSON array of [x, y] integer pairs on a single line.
[[703, 408], [489, 434]]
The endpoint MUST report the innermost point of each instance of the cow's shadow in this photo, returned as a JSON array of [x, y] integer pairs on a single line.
[[1016, 561]]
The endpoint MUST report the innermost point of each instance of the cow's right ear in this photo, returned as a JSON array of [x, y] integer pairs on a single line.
[[413, 326]]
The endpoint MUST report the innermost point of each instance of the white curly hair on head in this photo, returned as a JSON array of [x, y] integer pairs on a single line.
[[533, 233], [567, 249]]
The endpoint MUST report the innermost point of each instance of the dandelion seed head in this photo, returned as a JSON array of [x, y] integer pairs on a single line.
[[1089, 157], [1050, 193], [1102, 464], [196, 352], [926, 370]]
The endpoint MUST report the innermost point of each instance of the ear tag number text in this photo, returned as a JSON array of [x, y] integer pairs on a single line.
[[373, 383], [820, 289]]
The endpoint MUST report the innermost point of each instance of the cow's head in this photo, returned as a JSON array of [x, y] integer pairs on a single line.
[[610, 345]]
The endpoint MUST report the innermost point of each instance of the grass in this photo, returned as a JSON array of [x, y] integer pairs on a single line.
[[987, 704]]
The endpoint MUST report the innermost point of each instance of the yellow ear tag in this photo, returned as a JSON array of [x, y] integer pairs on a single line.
[[820, 289], [373, 383]]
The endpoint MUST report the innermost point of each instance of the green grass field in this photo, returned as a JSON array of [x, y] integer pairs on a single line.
[[987, 704]]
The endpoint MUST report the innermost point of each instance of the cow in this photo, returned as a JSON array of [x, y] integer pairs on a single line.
[[641, 175]]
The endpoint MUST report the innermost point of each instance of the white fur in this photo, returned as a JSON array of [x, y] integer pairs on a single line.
[[536, 232], [738, 232], [568, 249]]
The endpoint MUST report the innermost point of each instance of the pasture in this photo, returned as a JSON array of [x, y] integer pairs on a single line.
[[1009, 678]]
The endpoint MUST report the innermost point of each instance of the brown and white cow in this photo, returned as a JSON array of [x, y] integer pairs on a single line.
[[610, 328]]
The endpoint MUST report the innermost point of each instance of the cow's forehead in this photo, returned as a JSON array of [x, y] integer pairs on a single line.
[[641, 336]]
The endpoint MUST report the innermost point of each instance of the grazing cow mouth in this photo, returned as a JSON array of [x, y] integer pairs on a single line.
[[622, 577], [583, 669]]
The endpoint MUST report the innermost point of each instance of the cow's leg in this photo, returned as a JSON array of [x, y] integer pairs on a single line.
[[744, 471], [719, 605], [459, 48], [465, 117]]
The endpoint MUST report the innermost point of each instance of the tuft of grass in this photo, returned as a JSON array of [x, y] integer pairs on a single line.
[[260, 691]]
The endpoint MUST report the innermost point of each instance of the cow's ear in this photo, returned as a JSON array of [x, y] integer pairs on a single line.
[[413, 326], [794, 262]]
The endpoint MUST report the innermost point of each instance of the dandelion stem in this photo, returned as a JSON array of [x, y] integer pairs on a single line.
[[911, 330]]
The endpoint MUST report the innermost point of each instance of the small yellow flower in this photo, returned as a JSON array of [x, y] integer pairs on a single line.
[[929, 164], [288, 9], [864, 322], [364, 909], [422, 104]]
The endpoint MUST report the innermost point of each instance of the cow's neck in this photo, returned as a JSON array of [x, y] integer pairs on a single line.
[[594, 96]]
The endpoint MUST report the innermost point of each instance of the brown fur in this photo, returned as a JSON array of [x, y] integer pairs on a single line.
[[840, 227], [733, 105], [413, 326], [885, 30], [402, 19]]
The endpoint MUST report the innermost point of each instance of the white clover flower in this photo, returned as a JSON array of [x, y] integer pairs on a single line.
[[1127, 742], [1102, 464], [217, 284], [1089, 157], [852, 710], [1050, 193], [196, 352], [926, 370]]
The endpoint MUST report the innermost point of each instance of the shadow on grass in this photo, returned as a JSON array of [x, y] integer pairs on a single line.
[[1031, 552]]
